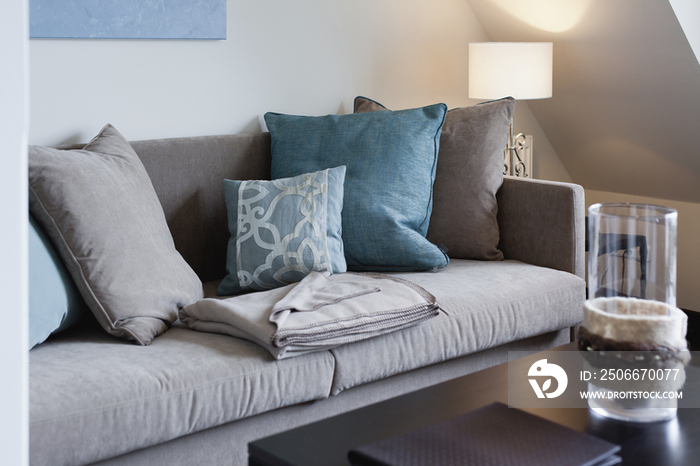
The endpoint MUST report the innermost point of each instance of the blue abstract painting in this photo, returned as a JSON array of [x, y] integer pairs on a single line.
[[127, 19]]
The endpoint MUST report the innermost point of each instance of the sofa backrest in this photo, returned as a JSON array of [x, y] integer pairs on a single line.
[[187, 175]]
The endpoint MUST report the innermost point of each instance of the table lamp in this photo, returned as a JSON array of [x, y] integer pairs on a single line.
[[522, 70]]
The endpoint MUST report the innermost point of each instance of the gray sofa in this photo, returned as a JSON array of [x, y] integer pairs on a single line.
[[199, 398]]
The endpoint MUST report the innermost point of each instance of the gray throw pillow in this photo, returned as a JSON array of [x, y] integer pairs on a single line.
[[469, 173], [282, 230], [101, 212]]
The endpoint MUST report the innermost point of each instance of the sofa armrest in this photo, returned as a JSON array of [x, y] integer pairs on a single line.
[[542, 223]]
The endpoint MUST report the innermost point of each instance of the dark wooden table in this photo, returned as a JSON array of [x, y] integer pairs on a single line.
[[327, 442]]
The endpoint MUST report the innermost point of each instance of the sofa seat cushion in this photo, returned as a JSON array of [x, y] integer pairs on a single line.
[[483, 304], [93, 396]]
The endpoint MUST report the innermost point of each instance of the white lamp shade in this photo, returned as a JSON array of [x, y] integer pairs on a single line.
[[522, 70]]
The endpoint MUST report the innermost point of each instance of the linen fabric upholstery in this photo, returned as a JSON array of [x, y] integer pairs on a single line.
[[187, 175], [469, 174], [55, 303], [228, 444], [543, 223], [94, 397], [130, 422], [530, 229], [282, 230], [100, 210], [391, 159], [483, 304]]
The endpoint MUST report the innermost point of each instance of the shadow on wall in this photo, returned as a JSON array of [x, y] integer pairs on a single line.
[[633, 160], [76, 138]]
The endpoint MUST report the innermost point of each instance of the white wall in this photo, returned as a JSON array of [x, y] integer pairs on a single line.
[[688, 14], [688, 293], [306, 57], [13, 233], [546, 162]]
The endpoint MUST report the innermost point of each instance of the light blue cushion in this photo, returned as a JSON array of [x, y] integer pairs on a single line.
[[282, 230], [54, 302], [391, 159]]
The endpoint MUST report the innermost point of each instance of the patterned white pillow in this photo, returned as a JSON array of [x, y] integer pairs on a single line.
[[282, 230]]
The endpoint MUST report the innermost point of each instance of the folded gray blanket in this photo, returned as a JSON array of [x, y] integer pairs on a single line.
[[320, 312]]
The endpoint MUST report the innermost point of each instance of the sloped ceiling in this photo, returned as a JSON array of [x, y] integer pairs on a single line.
[[625, 111]]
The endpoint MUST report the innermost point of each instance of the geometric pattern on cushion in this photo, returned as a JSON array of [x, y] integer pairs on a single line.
[[282, 230]]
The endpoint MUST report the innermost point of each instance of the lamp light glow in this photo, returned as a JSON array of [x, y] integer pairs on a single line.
[[522, 70]]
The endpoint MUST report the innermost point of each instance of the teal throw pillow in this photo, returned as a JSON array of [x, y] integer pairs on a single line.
[[391, 159], [282, 230], [468, 176], [54, 302]]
